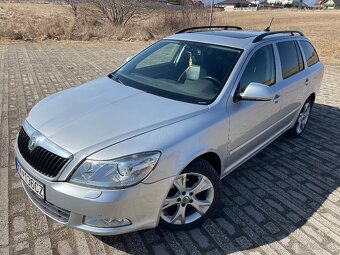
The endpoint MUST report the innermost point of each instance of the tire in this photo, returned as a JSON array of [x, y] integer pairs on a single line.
[[193, 197], [302, 120]]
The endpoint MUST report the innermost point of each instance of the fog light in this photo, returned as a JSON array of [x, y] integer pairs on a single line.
[[106, 223]]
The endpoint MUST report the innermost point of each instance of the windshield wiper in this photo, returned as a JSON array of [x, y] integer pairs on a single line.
[[116, 78]]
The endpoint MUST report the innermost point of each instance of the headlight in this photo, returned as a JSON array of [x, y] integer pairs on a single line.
[[117, 173]]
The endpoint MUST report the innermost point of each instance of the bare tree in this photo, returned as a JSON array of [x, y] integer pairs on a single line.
[[74, 6], [118, 12]]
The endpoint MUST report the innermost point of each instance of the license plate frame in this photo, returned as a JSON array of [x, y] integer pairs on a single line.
[[35, 186]]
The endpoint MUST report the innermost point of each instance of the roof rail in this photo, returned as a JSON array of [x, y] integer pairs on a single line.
[[208, 27], [291, 32]]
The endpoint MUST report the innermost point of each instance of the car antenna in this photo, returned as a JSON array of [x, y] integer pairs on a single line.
[[268, 28]]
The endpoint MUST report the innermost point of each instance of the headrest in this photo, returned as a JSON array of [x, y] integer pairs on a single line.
[[193, 72]]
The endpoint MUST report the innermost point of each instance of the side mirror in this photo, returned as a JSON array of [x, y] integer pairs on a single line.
[[257, 92], [128, 59]]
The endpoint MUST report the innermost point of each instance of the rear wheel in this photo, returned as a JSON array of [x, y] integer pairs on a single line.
[[192, 198], [302, 120]]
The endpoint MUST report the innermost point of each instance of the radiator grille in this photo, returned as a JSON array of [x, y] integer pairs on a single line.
[[42, 160]]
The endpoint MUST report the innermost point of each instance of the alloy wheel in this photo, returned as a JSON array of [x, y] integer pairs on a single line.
[[189, 198], [303, 118]]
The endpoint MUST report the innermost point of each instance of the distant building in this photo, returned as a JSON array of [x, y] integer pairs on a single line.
[[232, 4], [328, 4], [218, 8], [305, 3], [283, 2], [298, 3]]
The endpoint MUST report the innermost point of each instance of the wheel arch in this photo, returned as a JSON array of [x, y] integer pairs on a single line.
[[312, 97], [213, 159]]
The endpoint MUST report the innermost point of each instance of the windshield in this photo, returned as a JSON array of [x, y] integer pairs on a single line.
[[180, 70]]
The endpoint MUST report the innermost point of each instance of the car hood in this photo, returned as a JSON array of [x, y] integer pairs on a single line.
[[103, 112]]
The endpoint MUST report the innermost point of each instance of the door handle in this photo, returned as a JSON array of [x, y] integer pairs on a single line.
[[276, 98], [307, 82]]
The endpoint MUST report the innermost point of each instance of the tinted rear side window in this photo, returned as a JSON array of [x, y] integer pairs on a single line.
[[310, 53], [289, 59], [301, 64]]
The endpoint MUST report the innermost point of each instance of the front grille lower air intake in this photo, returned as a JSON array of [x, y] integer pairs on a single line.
[[42, 160]]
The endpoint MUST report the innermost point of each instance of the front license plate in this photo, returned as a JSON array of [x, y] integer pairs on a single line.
[[34, 185]]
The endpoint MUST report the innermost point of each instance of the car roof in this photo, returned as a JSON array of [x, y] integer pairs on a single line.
[[241, 39]]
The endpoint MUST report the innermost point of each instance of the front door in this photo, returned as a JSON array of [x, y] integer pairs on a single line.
[[253, 123]]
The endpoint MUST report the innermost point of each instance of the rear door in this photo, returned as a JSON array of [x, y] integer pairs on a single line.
[[292, 77], [315, 68]]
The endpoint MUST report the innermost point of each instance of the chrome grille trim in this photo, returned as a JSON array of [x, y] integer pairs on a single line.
[[42, 160], [42, 141]]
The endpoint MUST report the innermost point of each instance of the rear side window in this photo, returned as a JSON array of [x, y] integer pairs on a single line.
[[301, 64], [289, 58], [310, 53], [260, 68]]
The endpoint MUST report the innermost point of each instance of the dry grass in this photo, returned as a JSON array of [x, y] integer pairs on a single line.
[[28, 21], [322, 27]]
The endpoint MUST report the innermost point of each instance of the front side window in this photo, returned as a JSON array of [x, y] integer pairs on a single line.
[[260, 69], [289, 59], [310, 53], [180, 70]]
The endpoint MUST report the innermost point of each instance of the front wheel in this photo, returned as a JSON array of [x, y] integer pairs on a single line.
[[302, 120], [192, 198]]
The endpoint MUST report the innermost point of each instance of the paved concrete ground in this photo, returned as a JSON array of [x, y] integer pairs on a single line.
[[286, 200]]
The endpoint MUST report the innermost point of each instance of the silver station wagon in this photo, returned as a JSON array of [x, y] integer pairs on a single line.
[[149, 143]]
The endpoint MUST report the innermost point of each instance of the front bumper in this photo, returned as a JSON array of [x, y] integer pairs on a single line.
[[68, 203]]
